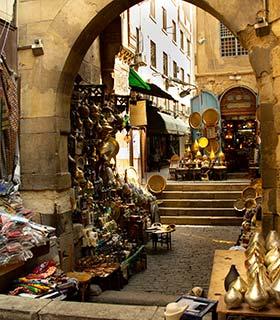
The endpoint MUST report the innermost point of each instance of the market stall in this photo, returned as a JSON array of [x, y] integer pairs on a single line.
[[112, 211]]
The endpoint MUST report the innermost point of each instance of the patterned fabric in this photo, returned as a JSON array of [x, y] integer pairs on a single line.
[[4, 111], [12, 110]]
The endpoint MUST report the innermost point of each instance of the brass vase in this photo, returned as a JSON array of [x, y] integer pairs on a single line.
[[275, 287], [272, 256], [257, 237], [252, 271], [240, 285], [272, 268], [275, 275], [271, 238], [254, 258], [264, 280], [231, 276], [233, 298], [255, 247], [256, 296]]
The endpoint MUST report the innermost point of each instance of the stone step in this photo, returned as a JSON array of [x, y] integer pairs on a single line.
[[197, 203], [200, 195], [194, 220], [205, 187], [222, 212], [133, 298]]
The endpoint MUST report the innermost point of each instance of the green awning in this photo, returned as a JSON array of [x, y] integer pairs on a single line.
[[136, 81]]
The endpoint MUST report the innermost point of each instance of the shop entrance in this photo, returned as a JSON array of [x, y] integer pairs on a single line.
[[239, 139], [240, 129]]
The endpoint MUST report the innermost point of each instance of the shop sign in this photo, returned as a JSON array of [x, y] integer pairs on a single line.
[[138, 116]]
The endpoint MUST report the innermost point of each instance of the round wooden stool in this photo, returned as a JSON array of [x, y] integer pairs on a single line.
[[84, 279]]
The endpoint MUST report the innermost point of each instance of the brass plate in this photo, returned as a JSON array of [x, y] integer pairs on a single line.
[[110, 148], [203, 142], [195, 120], [210, 117], [213, 145]]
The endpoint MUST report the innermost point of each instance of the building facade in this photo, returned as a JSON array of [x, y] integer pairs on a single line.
[[223, 70], [160, 34]]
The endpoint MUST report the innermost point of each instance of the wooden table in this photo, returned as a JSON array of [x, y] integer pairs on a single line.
[[269, 312], [223, 259], [162, 236]]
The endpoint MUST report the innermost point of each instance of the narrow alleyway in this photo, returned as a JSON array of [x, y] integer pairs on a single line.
[[188, 264]]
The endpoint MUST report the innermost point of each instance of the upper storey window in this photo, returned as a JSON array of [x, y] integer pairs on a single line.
[[230, 45]]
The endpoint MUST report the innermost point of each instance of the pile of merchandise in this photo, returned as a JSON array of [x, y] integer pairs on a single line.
[[113, 211], [97, 266], [249, 208], [45, 281], [18, 234]]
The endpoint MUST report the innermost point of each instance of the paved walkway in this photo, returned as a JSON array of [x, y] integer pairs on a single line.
[[188, 264]]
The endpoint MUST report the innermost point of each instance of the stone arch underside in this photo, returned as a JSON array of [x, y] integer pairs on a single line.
[[91, 17], [48, 79]]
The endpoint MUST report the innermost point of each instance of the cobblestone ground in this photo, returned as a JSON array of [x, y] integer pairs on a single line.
[[187, 265]]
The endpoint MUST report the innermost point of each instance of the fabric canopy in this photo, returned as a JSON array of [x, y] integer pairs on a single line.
[[139, 85], [136, 81], [162, 123]]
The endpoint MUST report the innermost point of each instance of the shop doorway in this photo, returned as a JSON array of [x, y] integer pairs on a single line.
[[240, 130]]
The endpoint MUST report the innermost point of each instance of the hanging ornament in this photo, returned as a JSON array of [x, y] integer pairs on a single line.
[[221, 156], [198, 155], [212, 156], [195, 146]]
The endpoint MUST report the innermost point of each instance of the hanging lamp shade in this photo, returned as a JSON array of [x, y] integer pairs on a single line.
[[195, 146], [221, 156], [212, 156], [198, 154]]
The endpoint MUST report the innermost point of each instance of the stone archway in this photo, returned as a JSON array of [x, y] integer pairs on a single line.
[[67, 29]]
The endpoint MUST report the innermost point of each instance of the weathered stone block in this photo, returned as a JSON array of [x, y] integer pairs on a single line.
[[66, 251], [38, 125], [269, 177], [275, 27], [45, 181], [266, 92], [38, 153], [29, 11], [275, 52], [260, 60], [58, 310], [274, 10], [17, 308], [45, 202]]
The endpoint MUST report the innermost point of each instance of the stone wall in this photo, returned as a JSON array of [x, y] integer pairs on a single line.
[[68, 29], [17, 308], [214, 72]]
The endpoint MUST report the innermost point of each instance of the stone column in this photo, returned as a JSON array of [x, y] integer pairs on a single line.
[[264, 55]]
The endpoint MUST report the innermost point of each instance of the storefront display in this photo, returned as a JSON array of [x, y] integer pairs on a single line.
[[18, 234], [261, 287], [113, 210], [45, 281], [240, 142]]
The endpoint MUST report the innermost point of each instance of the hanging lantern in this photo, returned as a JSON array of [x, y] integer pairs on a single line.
[[221, 156], [212, 156], [198, 155], [195, 146]]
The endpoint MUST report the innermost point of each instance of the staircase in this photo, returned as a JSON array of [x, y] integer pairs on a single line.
[[201, 203]]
